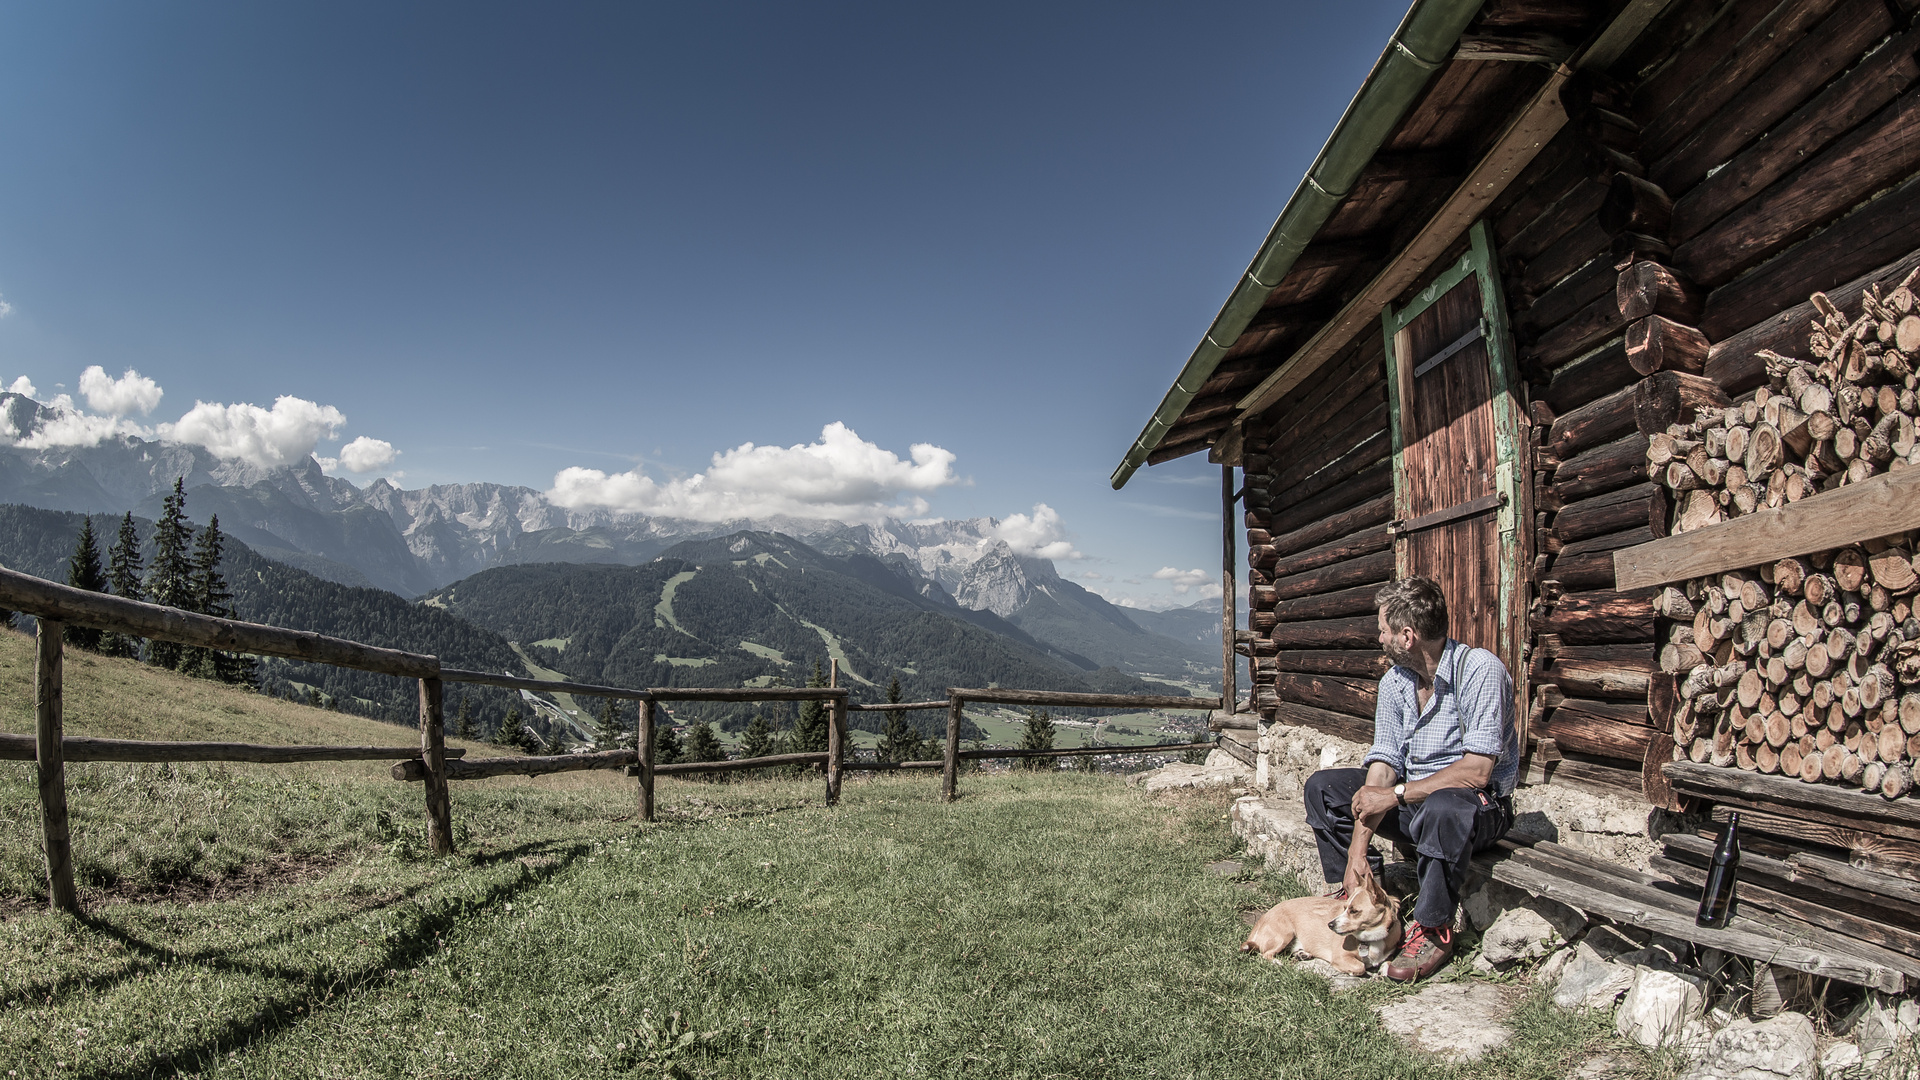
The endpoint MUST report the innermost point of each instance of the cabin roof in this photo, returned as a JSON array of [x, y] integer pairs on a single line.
[[1455, 76]]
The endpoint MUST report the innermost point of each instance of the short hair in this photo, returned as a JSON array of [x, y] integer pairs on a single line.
[[1417, 602]]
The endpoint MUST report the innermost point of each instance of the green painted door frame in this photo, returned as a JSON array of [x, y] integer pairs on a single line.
[[1509, 424]]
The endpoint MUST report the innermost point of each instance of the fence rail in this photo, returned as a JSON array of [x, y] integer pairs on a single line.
[[83, 748], [433, 764]]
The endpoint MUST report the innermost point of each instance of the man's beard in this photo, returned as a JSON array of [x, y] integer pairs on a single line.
[[1400, 657]]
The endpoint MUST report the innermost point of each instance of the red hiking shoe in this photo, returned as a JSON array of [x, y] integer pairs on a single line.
[[1425, 951]]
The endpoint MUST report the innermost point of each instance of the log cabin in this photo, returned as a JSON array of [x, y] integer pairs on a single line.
[[1555, 255]]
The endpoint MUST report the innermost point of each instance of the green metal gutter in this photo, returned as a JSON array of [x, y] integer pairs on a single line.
[[1423, 42]]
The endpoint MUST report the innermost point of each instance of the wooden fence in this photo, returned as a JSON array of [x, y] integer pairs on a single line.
[[54, 605]]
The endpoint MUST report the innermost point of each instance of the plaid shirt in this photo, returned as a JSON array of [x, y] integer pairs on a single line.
[[1470, 711]]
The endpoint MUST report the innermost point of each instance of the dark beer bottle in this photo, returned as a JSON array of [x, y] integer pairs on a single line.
[[1716, 900]]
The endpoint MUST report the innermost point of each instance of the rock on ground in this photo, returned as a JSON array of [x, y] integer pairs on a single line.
[[1458, 1022], [1529, 932], [1659, 1005], [1781, 1048], [1275, 829], [1591, 982], [1179, 777]]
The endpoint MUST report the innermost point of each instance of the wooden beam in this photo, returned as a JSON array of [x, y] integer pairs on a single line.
[[1516, 45], [1881, 506], [45, 600], [545, 686], [1709, 782], [50, 756], [82, 748], [433, 763], [1666, 915], [1063, 699], [728, 693], [1516, 147]]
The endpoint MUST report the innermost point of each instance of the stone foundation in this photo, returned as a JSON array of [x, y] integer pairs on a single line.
[[1271, 820]]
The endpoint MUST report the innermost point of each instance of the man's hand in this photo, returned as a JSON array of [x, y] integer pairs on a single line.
[[1370, 804], [1358, 872]]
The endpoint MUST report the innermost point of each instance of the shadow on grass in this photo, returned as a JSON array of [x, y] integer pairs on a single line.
[[305, 988]]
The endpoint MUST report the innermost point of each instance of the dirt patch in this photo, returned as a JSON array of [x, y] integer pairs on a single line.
[[275, 873]]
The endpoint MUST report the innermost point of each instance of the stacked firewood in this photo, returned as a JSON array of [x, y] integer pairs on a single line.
[[1809, 667], [1840, 418]]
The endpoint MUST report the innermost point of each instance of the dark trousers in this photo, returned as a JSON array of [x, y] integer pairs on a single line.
[[1446, 829]]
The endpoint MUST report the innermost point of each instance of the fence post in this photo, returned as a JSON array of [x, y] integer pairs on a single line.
[[643, 745], [950, 776], [433, 754], [836, 737], [50, 755]]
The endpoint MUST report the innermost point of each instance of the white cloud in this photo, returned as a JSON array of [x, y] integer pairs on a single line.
[[131, 392], [71, 427], [364, 455], [1198, 582], [840, 477], [1042, 536], [268, 437], [6, 309], [22, 386]]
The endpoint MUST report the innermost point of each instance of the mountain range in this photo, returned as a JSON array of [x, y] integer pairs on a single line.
[[413, 542]]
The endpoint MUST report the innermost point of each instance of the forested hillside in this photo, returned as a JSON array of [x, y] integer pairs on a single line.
[[758, 609], [38, 542]]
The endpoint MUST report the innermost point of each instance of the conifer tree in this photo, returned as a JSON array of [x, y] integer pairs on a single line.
[[212, 597], [898, 741], [666, 743], [704, 745], [463, 720], [504, 734], [607, 737], [84, 572], [557, 740], [1038, 736], [810, 734], [124, 568], [170, 578], [758, 740]]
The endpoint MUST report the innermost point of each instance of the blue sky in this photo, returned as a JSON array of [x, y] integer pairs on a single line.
[[514, 239]]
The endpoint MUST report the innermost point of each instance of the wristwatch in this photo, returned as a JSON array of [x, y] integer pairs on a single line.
[[1400, 794]]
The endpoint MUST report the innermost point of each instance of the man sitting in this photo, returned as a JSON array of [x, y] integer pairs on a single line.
[[1439, 776]]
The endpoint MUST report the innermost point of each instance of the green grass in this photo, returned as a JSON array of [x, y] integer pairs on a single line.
[[1047, 925]]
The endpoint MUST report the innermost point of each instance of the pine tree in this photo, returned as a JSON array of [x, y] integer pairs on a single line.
[[84, 572], [512, 731], [170, 578], [212, 597], [898, 741], [1038, 736], [758, 740], [666, 743], [704, 745], [607, 737], [463, 720], [810, 734], [123, 573], [556, 740]]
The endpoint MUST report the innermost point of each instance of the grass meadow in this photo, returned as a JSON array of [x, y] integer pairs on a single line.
[[269, 921]]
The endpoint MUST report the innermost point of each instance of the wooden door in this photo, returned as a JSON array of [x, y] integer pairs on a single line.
[[1456, 433]]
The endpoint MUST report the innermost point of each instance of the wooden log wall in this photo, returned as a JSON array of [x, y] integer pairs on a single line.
[[1319, 496], [1773, 155], [1609, 355]]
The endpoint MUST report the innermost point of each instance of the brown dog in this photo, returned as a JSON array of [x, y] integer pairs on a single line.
[[1353, 934]]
